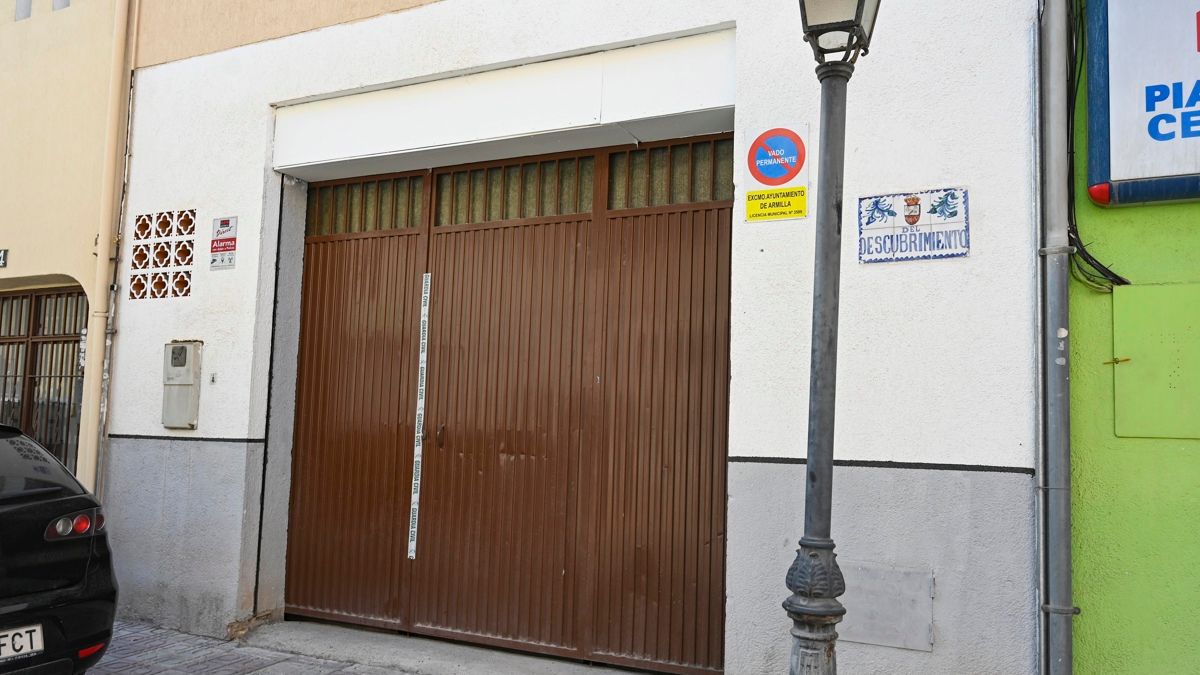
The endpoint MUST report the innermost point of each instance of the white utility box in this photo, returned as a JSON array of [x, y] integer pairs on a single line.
[[181, 384]]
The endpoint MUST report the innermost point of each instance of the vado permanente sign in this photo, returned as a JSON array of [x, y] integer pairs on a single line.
[[777, 160], [1143, 100]]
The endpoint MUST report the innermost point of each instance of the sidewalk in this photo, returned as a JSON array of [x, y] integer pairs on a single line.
[[144, 650], [408, 654], [305, 648]]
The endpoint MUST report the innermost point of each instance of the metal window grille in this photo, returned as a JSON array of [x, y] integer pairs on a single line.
[[41, 374]]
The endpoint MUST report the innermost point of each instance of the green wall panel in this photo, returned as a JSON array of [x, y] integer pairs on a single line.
[[1157, 328], [1136, 501]]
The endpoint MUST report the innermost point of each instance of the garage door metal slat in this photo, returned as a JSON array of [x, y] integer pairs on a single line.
[[340, 556]]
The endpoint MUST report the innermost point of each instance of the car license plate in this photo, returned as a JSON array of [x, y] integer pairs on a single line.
[[18, 642]]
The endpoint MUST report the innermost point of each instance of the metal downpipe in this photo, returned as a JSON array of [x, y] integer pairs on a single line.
[[109, 242], [1057, 605], [107, 247]]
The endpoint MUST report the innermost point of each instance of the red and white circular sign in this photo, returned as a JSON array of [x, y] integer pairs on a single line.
[[776, 156]]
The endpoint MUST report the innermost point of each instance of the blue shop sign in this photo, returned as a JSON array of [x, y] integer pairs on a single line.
[[1143, 101]]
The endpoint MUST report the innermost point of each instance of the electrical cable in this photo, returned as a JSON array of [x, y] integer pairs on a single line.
[[1084, 266]]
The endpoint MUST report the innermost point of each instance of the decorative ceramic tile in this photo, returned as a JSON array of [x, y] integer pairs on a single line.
[[143, 227], [182, 253], [185, 223], [139, 286], [163, 255], [160, 285], [141, 257], [164, 225], [181, 284]]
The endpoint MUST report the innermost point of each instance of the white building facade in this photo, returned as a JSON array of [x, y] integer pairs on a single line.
[[934, 506]]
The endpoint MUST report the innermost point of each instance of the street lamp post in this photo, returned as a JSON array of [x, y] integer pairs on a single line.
[[839, 31]]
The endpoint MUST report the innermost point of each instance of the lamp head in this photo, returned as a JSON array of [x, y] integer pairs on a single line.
[[838, 28]]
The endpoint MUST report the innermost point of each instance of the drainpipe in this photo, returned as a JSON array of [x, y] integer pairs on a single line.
[[113, 180], [1057, 604]]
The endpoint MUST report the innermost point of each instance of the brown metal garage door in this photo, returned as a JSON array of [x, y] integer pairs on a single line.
[[572, 498]]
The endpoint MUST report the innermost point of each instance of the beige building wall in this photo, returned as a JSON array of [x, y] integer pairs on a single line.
[[177, 29], [56, 171], [54, 72]]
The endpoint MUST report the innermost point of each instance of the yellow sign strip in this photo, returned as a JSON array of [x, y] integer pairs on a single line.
[[777, 204]]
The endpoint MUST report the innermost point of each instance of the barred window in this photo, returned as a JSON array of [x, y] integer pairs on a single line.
[[61, 314], [14, 315]]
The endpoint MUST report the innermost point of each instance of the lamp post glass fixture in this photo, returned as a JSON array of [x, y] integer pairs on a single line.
[[838, 27], [839, 31]]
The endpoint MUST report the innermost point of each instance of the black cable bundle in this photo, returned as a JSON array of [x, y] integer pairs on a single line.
[[1084, 266]]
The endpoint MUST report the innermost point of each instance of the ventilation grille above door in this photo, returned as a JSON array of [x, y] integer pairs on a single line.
[[357, 206], [511, 191], [683, 173]]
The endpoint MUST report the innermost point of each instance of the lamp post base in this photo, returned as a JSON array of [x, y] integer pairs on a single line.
[[812, 647], [815, 581]]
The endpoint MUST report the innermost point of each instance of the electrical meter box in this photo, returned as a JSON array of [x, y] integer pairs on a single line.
[[181, 384]]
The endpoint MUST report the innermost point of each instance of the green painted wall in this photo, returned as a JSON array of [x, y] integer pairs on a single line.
[[1136, 501]]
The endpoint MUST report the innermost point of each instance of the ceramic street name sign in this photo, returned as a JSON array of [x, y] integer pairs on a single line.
[[926, 225]]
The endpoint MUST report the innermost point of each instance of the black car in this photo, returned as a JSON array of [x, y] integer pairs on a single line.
[[57, 592]]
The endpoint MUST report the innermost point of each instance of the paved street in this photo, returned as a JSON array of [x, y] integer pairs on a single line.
[[144, 650], [308, 648]]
